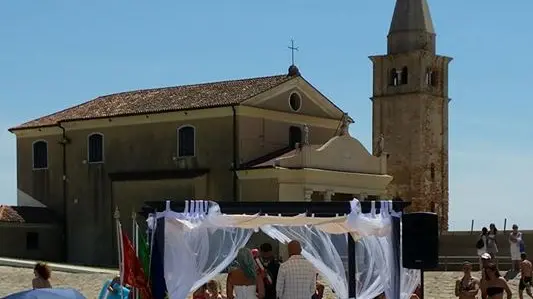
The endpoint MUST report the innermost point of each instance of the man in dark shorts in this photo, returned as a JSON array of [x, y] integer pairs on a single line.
[[526, 274]]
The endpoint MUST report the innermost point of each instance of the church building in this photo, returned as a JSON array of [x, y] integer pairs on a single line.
[[274, 138]]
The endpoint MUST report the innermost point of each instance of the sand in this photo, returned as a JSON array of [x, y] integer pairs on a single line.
[[438, 285]]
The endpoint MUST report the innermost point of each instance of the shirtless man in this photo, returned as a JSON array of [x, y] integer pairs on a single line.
[[526, 273]]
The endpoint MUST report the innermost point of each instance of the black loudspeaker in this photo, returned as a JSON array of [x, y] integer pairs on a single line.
[[420, 241]]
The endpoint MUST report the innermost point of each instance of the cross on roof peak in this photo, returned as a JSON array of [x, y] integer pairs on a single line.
[[293, 49]]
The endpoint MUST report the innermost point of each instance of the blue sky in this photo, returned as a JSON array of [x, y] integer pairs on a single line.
[[55, 54]]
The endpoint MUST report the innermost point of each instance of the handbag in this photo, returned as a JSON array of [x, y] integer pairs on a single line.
[[480, 244]]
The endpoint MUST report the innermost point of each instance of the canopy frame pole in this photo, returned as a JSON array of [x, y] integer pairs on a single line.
[[352, 268]]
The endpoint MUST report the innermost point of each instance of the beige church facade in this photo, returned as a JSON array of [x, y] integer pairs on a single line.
[[272, 138]]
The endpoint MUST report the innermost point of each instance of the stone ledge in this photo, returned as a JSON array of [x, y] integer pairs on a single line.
[[18, 263]]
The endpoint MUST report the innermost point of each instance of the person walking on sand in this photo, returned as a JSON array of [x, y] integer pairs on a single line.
[[468, 286], [526, 274], [42, 276], [486, 260], [515, 240], [495, 285], [492, 244]]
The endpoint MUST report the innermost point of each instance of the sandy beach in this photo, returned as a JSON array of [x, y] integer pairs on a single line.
[[439, 285]]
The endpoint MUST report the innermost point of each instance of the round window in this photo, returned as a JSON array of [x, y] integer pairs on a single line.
[[295, 102]]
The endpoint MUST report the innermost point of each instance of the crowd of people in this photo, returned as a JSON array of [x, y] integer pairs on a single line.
[[257, 274], [491, 284]]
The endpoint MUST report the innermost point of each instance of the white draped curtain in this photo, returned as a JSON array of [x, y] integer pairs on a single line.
[[196, 251], [200, 242], [317, 248]]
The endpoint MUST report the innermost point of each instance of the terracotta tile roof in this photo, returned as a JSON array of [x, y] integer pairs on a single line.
[[8, 214], [206, 95]]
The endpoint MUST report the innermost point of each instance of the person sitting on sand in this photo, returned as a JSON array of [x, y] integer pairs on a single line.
[[468, 286], [42, 275]]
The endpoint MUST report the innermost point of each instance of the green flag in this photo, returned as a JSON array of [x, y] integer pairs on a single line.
[[144, 253]]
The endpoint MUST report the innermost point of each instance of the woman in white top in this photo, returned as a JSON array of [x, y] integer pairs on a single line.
[[515, 239], [482, 238], [482, 241], [492, 245], [243, 281]]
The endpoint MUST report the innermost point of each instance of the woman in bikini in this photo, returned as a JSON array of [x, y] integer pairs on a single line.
[[468, 286], [495, 285]]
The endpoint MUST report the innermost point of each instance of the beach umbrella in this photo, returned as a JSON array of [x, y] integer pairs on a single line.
[[47, 294]]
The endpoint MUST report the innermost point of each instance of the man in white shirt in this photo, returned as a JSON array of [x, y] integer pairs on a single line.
[[296, 276]]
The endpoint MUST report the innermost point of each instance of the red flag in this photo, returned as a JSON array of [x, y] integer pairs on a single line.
[[133, 271]]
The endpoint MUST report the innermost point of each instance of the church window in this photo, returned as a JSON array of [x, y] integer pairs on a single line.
[[432, 170], [295, 136], [95, 148], [186, 141], [404, 75], [393, 80], [40, 154], [295, 101]]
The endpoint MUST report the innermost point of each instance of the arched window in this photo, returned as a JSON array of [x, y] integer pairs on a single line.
[[295, 136], [95, 148], [393, 80], [405, 75], [40, 154], [186, 141], [432, 78], [432, 171]]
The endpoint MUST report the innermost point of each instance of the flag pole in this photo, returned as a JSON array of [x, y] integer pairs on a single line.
[[134, 236], [154, 227], [120, 250]]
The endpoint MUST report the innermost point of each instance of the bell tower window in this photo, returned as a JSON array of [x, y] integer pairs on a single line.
[[404, 75], [393, 80], [431, 78]]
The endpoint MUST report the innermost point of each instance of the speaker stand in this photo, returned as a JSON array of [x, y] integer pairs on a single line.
[[421, 283]]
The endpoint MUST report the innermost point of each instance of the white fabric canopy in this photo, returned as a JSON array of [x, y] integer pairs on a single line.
[[330, 225], [201, 241]]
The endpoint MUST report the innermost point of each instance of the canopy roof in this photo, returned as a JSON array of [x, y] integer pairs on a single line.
[[210, 214]]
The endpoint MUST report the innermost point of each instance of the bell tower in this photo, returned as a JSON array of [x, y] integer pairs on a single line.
[[410, 110]]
